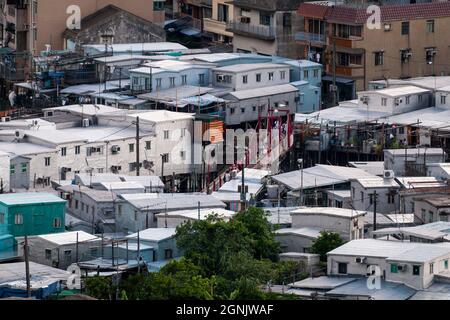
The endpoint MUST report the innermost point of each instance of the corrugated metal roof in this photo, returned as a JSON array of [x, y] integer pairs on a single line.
[[154, 234], [11, 199], [307, 232], [262, 92], [320, 176], [329, 211], [65, 238]]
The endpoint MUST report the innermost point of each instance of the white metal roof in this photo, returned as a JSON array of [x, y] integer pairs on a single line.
[[429, 117], [329, 211], [397, 91], [377, 182], [122, 185], [13, 275], [373, 167], [158, 116], [320, 176], [263, 92], [65, 238], [192, 214], [414, 152], [86, 109], [245, 67], [175, 201], [307, 232], [154, 234], [393, 250], [23, 148], [138, 47], [420, 182]]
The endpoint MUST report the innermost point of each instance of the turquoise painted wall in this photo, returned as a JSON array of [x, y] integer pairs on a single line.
[[38, 218]]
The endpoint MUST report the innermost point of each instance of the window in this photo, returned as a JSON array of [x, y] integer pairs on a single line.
[[362, 196], [244, 79], [2, 218], [420, 97], [346, 31], [401, 130], [430, 26], [165, 158], [82, 206], [68, 256], [166, 134], [76, 204], [371, 198], [445, 264], [221, 78], [183, 79], [342, 268], [391, 198], [201, 78], [131, 147], [443, 99], [183, 155], [264, 19], [394, 268], [242, 110], [231, 110], [287, 21], [431, 268], [430, 53], [63, 151], [305, 74], [254, 108], [168, 254], [405, 28], [148, 145], [316, 73], [158, 83], [18, 218], [12, 169], [57, 223], [407, 99], [270, 76], [132, 166], [384, 102], [379, 58], [87, 208], [119, 209], [183, 132], [282, 75], [77, 149], [47, 161], [222, 12], [258, 77], [416, 270], [48, 254], [159, 5], [172, 81]]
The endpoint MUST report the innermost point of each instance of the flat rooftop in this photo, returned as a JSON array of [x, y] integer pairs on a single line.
[[26, 198], [329, 211]]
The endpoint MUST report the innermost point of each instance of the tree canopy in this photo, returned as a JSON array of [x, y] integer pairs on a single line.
[[326, 242]]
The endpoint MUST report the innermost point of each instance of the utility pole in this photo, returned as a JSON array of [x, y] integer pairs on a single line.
[[76, 250], [374, 211], [137, 147], [27, 266]]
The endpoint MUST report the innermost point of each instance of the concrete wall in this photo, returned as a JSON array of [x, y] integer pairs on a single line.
[[344, 226], [429, 213], [5, 171], [247, 110], [361, 201], [237, 78], [293, 243], [61, 256], [397, 162], [375, 100]]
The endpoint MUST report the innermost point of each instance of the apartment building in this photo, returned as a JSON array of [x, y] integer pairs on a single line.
[[35, 23], [364, 53], [265, 27], [222, 11]]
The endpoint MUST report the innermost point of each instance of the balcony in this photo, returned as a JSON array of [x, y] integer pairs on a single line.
[[311, 37], [215, 26], [249, 30]]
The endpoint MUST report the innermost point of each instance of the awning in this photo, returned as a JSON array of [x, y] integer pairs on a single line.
[[338, 79]]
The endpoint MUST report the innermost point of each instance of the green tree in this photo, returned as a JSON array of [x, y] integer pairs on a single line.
[[260, 232], [326, 242], [99, 287]]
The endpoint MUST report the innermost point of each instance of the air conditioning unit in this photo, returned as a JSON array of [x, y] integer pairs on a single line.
[[5, 119], [148, 164], [360, 259], [19, 134], [402, 267], [388, 174], [387, 27], [244, 19], [115, 149], [364, 99], [85, 123]]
